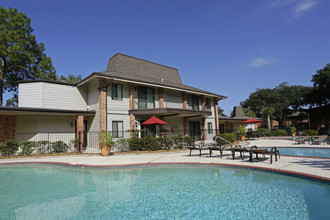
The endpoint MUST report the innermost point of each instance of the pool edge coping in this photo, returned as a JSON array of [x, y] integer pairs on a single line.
[[302, 175]]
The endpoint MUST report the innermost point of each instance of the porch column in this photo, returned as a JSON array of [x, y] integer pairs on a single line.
[[204, 129], [184, 100], [185, 127], [203, 102], [216, 113], [80, 131], [102, 104], [131, 123], [131, 96], [161, 97]]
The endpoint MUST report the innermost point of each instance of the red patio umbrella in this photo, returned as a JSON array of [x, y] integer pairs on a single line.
[[251, 121], [154, 121]]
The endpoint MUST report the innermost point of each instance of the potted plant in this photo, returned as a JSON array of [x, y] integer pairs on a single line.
[[163, 131], [242, 132], [105, 142], [293, 131]]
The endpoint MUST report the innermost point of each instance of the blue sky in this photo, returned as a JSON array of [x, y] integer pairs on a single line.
[[229, 47]]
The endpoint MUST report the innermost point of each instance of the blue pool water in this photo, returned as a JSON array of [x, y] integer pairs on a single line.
[[55, 192], [305, 152]]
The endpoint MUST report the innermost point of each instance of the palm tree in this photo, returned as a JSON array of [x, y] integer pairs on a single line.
[[268, 111]]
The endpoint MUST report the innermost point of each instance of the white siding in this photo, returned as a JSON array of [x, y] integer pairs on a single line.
[[50, 95], [118, 106], [93, 103], [30, 95], [173, 99], [119, 117], [210, 120]]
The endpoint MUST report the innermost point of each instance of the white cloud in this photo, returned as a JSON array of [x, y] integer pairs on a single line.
[[304, 6], [261, 62]]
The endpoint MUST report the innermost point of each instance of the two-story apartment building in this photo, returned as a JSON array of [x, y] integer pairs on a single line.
[[130, 91]]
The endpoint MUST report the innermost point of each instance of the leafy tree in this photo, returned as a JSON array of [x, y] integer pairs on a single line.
[[71, 79], [221, 112], [249, 112], [267, 112], [320, 94], [21, 56], [284, 99]]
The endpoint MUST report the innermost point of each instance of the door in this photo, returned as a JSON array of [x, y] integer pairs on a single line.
[[195, 129]]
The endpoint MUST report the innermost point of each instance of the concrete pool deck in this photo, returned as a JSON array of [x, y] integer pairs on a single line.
[[309, 167]]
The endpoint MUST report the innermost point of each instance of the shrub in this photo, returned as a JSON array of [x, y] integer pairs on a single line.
[[10, 147], [43, 147], [122, 145], [178, 142], [165, 142], [135, 144], [264, 131], [27, 147], [310, 133], [278, 132], [241, 130], [75, 144], [189, 141], [59, 147], [231, 137]]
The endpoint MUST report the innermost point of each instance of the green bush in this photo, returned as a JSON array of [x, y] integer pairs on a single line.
[[178, 142], [27, 147], [310, 133], [264, 131], [165, 142], [43, 147], [278, 132], [122, 145], [231, 137], [10, 147], [59, 147], [189, 141]]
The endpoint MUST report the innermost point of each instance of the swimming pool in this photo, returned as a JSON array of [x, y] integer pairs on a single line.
[[305, 152], [58, 192]]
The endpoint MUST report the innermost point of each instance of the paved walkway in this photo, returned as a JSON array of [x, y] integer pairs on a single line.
[[311, 167]]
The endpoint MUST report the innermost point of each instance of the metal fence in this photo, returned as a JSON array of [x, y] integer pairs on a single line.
[[87, 142]]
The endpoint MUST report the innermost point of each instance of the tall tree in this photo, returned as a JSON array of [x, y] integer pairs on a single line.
[[267, 112], [21, 56], [320, 94], [70, 78]]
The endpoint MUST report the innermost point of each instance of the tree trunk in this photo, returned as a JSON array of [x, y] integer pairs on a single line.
[[268, 119], [2, 73]]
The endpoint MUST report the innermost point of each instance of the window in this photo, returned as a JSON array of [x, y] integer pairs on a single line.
[[117, 91], [117, 129], [146, 97], [208, 103], [209, 128], [193, 102]]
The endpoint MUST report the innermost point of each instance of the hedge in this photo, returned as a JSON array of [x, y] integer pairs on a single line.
[[231, 137], [310, 133]]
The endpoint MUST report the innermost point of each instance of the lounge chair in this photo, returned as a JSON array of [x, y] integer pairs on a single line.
[[301, 140], [221, 149], [197, 146], [320, 139], [239, 149], [256, 151]]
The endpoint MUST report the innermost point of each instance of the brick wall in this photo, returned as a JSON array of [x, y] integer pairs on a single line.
[[7, 127]]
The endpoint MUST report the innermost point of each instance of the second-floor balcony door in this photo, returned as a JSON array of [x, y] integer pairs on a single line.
[[146, 97]]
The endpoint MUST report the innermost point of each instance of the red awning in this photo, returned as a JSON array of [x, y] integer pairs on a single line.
[[251, 121], [154, 121]]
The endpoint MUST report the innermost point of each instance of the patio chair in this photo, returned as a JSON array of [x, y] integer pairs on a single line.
[[320, 139], [199, 146], [301, 140], [221, 149], [239, 149], [256, 151]]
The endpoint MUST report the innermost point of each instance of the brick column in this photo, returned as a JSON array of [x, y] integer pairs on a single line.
[[131, 96], [161, 97], [184, 100], [185, 127], [204, 129], [203, 102], [102, 104], [216, 113], [80, 131]]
